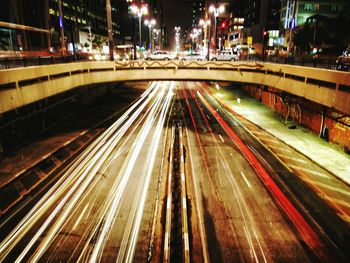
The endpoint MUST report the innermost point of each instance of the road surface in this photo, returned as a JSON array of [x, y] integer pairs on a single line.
[[243, 204]]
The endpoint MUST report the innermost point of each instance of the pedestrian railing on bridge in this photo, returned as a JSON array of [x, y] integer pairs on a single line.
[[22, 86]]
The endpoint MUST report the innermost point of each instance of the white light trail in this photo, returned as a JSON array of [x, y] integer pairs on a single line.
[[84, 169]]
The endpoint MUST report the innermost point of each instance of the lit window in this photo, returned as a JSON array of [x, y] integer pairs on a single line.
[[308, 7]]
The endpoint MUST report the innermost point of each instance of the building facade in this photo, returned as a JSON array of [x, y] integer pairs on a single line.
[[24, 25], [36, 24]]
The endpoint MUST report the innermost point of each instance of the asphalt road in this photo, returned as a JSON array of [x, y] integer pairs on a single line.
[[244, 205], [95, 211], [241, 221]]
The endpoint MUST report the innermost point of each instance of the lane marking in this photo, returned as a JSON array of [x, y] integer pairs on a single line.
[[221, 138], [168, 204], [166, 243], [246, 180], [187, 247], [184, 203], [79, 218]]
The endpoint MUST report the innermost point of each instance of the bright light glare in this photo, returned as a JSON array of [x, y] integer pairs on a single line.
[[144, 10]]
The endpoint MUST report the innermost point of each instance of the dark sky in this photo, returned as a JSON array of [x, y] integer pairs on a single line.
[[177, 13]]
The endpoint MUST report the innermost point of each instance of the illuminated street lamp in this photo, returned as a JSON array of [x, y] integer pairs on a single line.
[[139, 11], [216, 12], [206, 27], [195, 34], [177, 37], [150, 24], [156, 33]]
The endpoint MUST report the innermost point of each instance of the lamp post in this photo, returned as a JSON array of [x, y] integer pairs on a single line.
[[63, 44], [216, 12], [156, 33], [197, 33], [192, 40], [206, 27], [139, 11], [177, 37], [110, 31], [150, 24]]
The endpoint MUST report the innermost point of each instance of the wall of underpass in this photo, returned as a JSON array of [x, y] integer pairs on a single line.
[[25, 123], [335, 126]]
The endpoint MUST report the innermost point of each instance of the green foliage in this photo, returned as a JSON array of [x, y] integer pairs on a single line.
[[97, 42], [302, 37], [4, 41]]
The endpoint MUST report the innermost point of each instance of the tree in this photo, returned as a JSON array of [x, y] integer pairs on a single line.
[[4, 42], [303, 37], [98, 42]]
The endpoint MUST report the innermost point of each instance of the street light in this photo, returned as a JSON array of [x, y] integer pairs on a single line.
[[63, 44], [156, 33], [139, 11], [206, 27], [216, 12], [150, 24], [196, 32], [177, 37], [110, 30]]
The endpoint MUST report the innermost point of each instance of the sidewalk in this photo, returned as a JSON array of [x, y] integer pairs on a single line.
[[321, 152]]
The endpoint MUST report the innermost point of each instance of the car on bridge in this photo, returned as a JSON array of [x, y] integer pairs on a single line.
[[343, 61], [160, 55], [193, 56], [225, 55]]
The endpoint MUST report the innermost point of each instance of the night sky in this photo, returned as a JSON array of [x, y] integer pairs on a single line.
[[177, 13]]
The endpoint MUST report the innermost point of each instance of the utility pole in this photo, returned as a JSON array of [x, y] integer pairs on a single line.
[[63, 45], [110, 31]]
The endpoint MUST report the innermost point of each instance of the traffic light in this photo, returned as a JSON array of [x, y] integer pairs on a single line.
[[223, 24]]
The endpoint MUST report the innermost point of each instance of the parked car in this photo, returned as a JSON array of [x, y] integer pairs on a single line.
[[193, 56], [343, 61], [160, 55], [243, 51], [227, 55]]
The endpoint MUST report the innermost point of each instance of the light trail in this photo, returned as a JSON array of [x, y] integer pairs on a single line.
[[307, 233], [248, 220], [203, 237], [125, 173], [76, 192], [77, 179]]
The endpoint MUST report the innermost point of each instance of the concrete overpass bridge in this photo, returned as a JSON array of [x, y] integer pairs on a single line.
[[19, 87]]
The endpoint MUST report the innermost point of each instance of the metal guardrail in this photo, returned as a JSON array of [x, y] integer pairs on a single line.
[[22, 62]]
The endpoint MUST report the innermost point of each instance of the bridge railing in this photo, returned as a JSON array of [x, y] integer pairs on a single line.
[[19, 86]]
